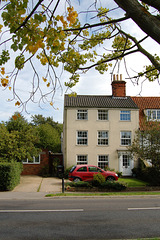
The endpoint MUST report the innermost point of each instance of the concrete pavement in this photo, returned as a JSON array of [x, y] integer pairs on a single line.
[[33, 187], [39, 184]]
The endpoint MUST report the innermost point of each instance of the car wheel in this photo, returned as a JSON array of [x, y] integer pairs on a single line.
[[110, 178], [77, 179]]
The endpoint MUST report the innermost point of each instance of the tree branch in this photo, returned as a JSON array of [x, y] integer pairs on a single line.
[[143, 51], [28, 17], [86, 26], [148, 23], [155, 3], [109, 60]]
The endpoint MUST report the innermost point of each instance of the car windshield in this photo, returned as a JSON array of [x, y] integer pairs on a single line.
[[72, 169]]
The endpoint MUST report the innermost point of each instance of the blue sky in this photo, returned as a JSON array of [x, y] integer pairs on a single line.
[[90, 83]]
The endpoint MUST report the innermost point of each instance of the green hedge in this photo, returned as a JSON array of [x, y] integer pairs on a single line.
[[9, 175], [148, 174], [101, 186]]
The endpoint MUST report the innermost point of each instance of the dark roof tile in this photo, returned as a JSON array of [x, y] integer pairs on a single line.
[[95, 101]]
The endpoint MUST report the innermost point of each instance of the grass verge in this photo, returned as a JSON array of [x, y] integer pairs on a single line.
[[103, 194], [132, 182]]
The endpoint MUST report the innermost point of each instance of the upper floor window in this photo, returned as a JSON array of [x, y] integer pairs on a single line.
[[153, 114], [82, 137], [102, 114], [82, 114], [102, 138], [125, 115], [125, 138], [103, 161]]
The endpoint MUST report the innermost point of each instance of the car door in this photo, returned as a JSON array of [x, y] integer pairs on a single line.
[[91, 171], [82, 173]]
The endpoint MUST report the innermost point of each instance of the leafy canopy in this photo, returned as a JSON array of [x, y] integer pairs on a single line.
[[47, 36], [18, 140], [146, 144], [21, 140]]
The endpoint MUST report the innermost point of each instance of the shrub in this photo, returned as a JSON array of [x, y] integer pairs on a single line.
[[151, 175], [148, 174], [102, 186], [66, 172], [112, 186], [9, 175], [98, 179], [80, 184]]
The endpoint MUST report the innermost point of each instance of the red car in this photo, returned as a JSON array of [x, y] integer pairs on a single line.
[[86, 172]]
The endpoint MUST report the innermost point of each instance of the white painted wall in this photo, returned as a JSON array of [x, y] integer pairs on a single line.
[[114, 126]]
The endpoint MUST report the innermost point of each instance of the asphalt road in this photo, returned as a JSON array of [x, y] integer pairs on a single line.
[[80, 218]]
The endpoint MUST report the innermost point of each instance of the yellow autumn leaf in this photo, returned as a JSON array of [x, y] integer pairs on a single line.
[[4, 82], [14, 117], [44, 79], [2, 70], [1, 27], [48, 84], [17, 103]]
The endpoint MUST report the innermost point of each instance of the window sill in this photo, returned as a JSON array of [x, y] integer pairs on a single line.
[[81, 145], [31, 163], [102, 145]]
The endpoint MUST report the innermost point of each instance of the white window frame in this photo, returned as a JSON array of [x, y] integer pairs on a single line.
[[34, 160], [83, 139], [126, 139], [102, 138], [102, 114], [81, 159], [82, 114], [102, 163], [126, 160], [152, 114], [125, 115]]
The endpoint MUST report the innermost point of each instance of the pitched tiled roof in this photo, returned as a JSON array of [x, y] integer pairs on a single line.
[[95, 101], [146, 103]]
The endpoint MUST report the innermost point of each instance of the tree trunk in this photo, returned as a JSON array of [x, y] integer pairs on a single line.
[[147, 22]]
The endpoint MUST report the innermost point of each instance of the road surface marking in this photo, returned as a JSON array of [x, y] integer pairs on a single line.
[[149, 208], [36, 210]]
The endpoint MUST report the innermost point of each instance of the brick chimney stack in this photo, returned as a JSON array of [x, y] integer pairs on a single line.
[[118, 86]]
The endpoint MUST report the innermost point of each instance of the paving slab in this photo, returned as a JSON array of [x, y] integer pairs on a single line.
[[28, 184], [53, 185]]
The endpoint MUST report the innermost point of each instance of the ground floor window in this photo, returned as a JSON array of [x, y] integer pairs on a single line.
[[103, 161], [34, 160], [82, 159]]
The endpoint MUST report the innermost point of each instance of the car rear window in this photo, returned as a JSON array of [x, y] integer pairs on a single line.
[[72, 169], [82, 169]]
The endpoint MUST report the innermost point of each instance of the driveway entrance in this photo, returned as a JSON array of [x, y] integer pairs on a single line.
[[39, 184]]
